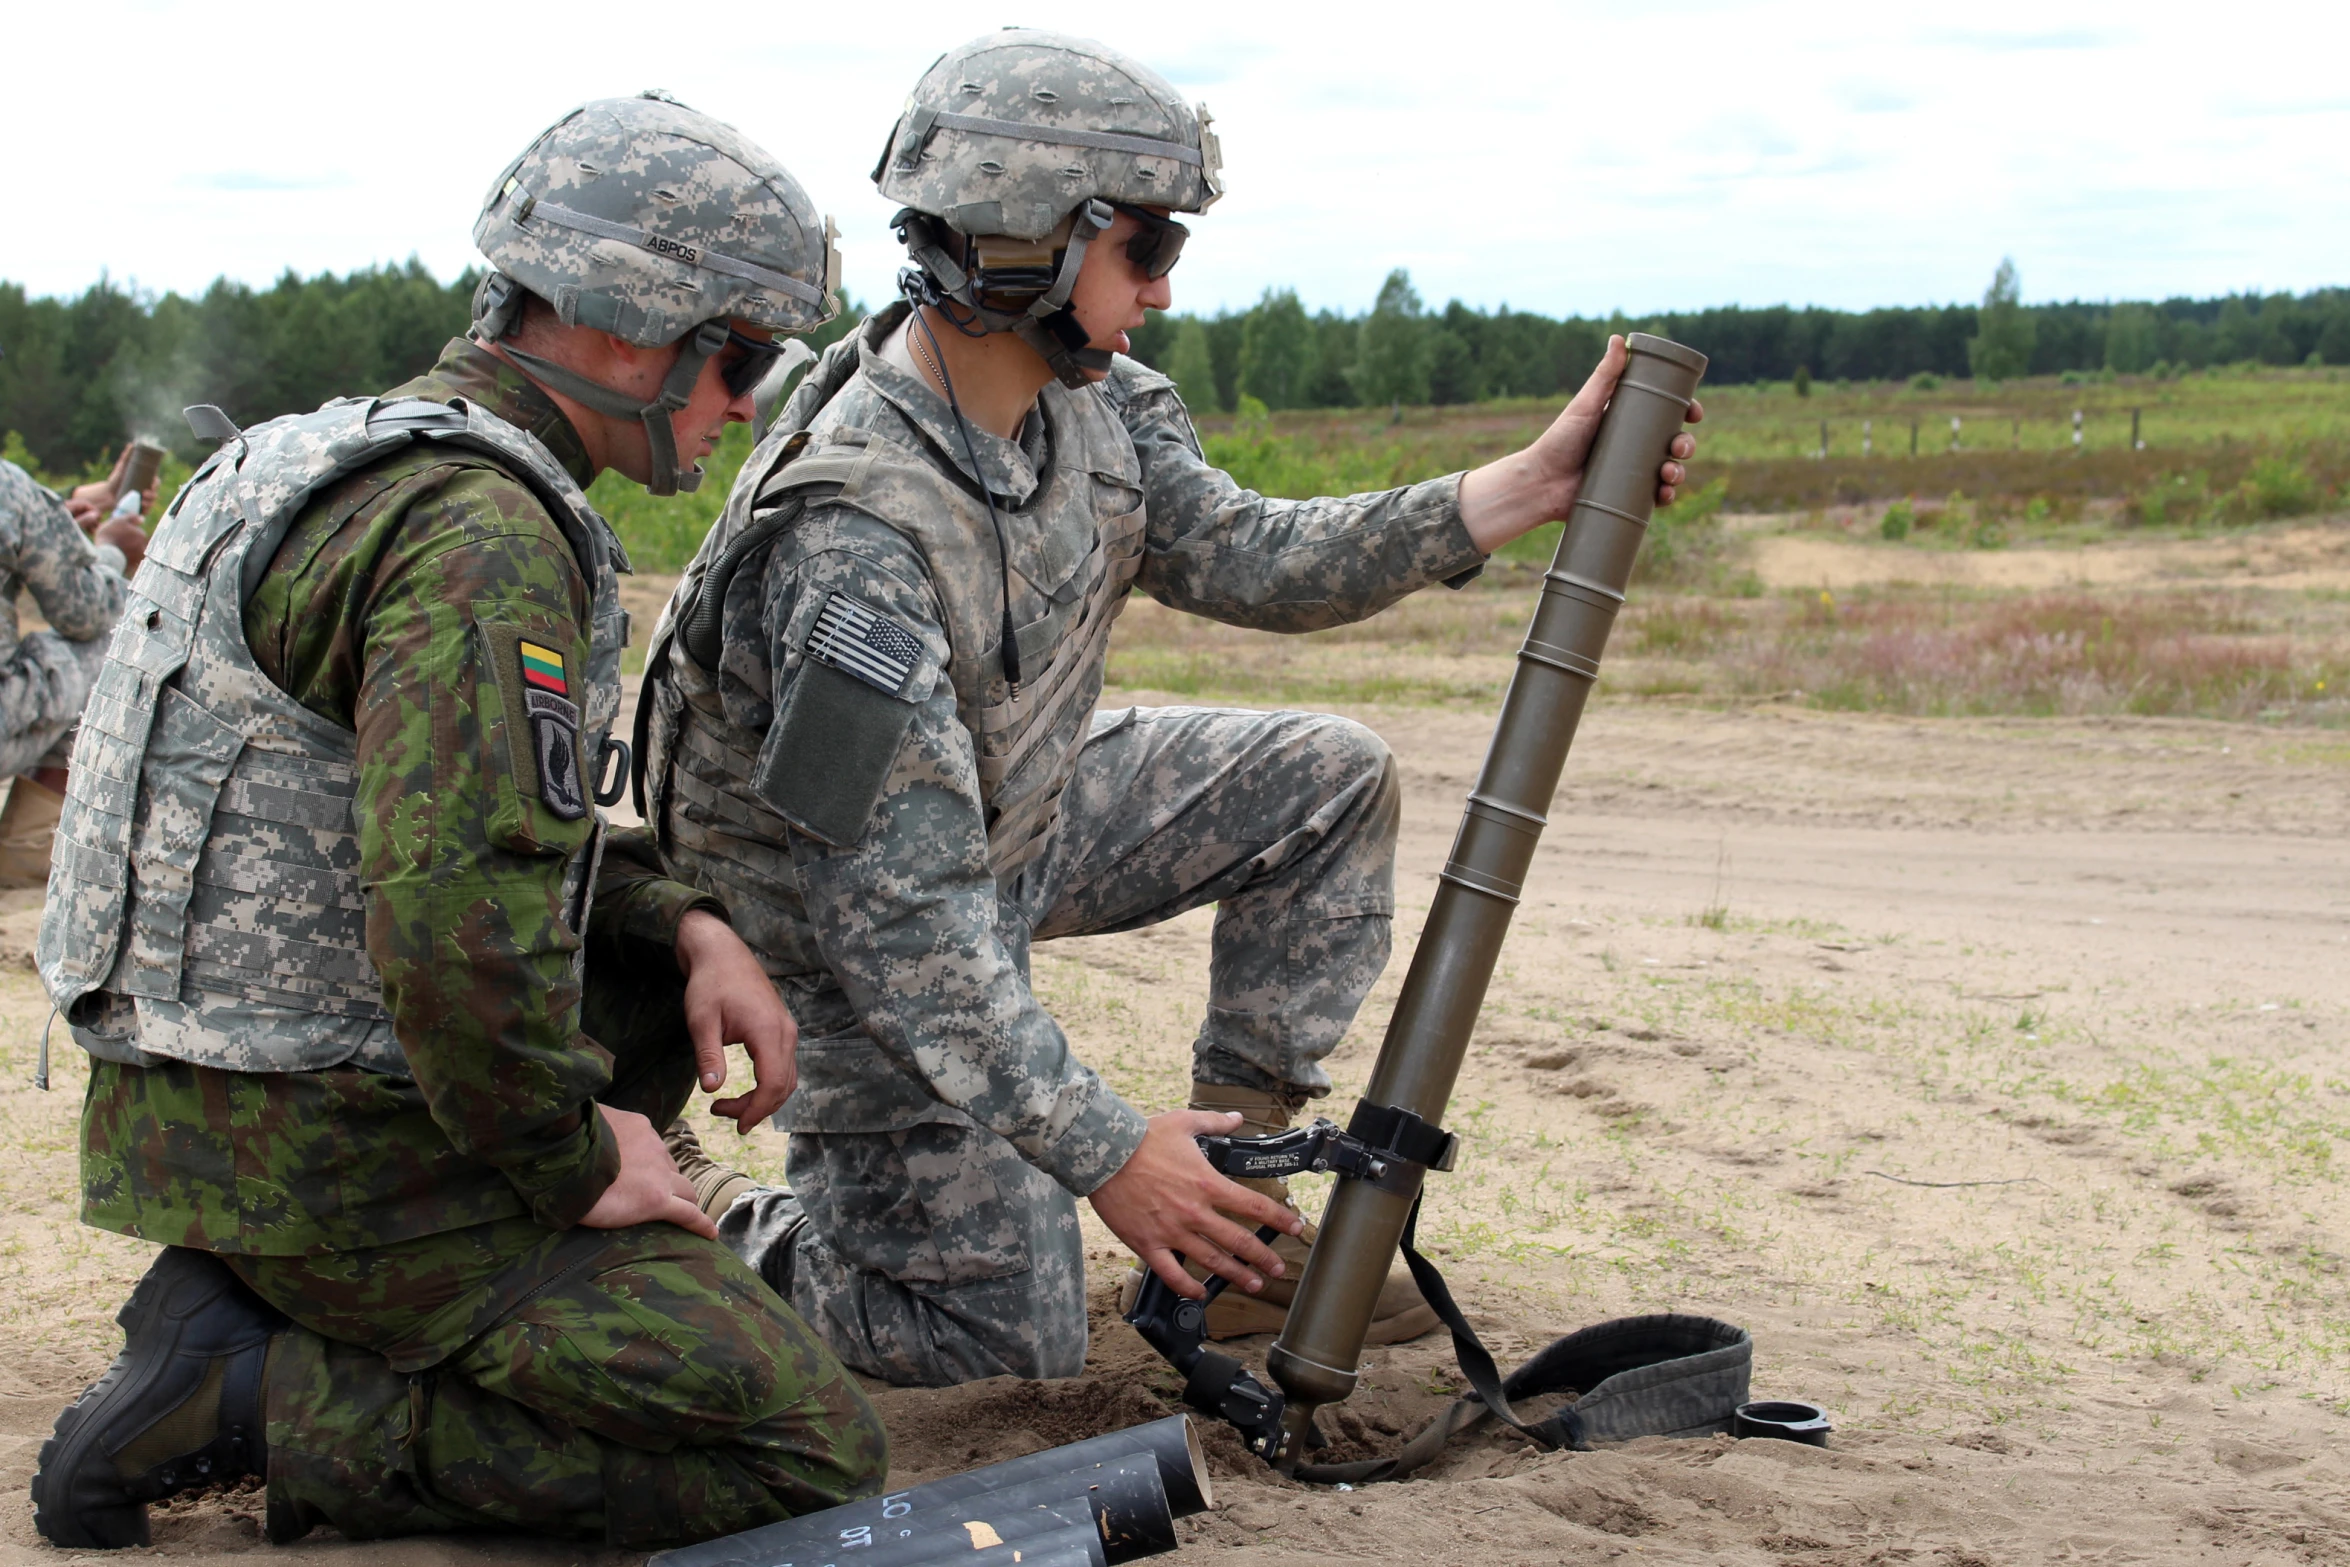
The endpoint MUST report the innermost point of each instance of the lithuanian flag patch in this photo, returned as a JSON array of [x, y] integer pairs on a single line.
[[542, 668]]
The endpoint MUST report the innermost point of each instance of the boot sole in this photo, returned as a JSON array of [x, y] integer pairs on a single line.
[[89, 1529], [185, 1279]]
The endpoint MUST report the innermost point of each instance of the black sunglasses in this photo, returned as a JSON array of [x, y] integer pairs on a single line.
[[743, 374], [1157, 245]]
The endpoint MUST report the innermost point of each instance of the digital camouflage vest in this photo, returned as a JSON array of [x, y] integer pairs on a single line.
[[203, 903], [1084, 545]]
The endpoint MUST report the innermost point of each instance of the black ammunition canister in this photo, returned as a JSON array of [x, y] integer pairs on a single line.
[[1117, 1483]]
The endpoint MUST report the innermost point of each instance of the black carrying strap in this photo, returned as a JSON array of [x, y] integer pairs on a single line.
[[1662, 1375]]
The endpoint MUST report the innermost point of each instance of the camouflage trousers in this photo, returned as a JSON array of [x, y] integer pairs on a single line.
[[638, 1386], [44, 685], [932, 1253]]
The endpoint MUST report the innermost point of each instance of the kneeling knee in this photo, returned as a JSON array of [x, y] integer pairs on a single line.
[[1047, 1361], [1355, 749], [861, 1456], [1357, 754]]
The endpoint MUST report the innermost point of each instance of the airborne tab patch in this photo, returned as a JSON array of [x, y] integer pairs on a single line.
[[861, 641]]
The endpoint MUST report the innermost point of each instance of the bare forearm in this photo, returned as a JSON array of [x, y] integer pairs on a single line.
[[1510, 496]]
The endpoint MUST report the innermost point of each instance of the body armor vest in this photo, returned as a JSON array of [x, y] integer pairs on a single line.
[[204, 902], [1077, 543]]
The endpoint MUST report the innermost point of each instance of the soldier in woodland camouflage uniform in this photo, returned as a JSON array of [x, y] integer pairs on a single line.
[[872, 735], [45, 676], [322, 910]]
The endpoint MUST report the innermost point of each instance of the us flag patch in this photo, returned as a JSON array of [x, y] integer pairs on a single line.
[[864, 642]]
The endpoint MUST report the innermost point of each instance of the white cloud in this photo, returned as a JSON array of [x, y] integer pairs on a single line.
[[1559, 157]]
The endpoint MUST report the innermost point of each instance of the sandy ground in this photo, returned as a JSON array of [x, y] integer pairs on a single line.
[[1989, 1072], [2274, 557]]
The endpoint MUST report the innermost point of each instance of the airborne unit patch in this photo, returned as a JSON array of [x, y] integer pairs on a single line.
[[554, 730]]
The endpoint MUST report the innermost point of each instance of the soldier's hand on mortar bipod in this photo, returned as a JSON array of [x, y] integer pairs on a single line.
[[1167, 1198], [729, 1000], [648, 1187], [1518, 493]]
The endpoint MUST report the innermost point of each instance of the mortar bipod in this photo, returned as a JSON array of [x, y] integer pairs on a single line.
[[1657, 1375], [1388, 1147], [1213, 1382]]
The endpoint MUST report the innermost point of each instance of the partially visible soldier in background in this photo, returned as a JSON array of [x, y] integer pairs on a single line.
[[378, 1053], [45, 676]]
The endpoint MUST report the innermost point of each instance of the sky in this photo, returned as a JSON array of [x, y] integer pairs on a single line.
[[1565, 158]]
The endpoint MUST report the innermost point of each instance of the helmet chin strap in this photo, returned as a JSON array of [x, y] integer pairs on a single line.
[[676, 388], [1049, 325]]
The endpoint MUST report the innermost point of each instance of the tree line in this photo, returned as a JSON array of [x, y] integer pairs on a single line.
[[81, 373], [1400, 351]]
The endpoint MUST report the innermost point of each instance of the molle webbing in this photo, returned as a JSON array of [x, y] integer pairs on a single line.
[[1083, 554], [279, 828], [207, 861]]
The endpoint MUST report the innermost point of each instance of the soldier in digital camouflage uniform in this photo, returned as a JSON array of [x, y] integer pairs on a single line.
[[45, 676], [872, 735], [322, 905]]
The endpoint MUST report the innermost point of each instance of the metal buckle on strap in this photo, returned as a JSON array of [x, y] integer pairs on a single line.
[[1404, 1135], [1384, 1145]]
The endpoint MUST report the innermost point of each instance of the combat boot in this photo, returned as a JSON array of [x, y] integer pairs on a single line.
[[28, 826], [715, 1186], [179, 1410], [1401, 1313]]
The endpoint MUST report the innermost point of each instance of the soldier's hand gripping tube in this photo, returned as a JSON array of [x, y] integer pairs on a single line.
[[1316, 1357]]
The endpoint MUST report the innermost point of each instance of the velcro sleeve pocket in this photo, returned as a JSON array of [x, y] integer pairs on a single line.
[[829, 753], [532, 673]]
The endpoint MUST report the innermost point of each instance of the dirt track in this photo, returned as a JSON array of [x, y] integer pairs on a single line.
[[1780, 967], [2289, 556]]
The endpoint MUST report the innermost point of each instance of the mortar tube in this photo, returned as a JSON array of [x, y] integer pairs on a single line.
[[1123, 1497], [1317, 1357]]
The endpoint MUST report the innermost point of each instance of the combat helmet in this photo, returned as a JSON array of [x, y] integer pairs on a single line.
[[1013, 154], [645, 219]]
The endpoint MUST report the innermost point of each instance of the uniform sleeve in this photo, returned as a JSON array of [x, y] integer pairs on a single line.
[[78, 586], [1215, 549], [462, 856], [903, 905], [636, 901]]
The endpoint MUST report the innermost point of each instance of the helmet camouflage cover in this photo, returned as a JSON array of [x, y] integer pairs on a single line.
[[643, 218], [648, 220], [1010, 158], [1012, 132]]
